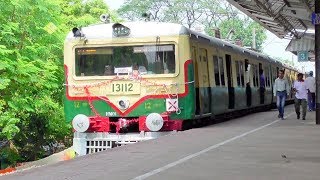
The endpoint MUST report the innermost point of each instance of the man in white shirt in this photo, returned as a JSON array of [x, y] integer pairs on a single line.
[[281, 89], [311, 86], [301, 95]]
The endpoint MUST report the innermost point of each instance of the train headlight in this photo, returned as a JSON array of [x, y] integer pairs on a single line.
[[154, 122], [80, 123], [123, 104]]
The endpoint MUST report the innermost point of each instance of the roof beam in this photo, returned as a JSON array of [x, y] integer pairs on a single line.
[[294, 12], [288, 13], [269, 22], [252, 10], [242, 8], [306, 5], [266, 17], [274, 26], [283, 21], [295, 8]]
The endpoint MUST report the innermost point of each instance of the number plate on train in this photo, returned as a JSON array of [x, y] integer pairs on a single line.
[[124, 88]]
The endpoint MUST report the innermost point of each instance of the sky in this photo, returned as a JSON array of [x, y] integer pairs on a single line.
[[273, 46]]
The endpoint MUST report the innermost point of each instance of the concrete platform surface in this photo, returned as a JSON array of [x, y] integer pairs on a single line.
[[257, 146]]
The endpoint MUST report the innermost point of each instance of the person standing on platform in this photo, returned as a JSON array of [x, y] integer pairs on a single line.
[[311, 86], [281, 89], [301, 95]]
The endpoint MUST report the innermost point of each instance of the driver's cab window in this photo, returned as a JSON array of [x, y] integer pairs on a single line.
[[110, 61]]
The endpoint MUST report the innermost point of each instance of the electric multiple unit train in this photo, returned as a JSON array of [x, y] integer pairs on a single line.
[[136, 81]]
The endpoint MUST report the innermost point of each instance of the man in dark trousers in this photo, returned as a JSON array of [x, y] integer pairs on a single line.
[[301, 96], [311, 86]]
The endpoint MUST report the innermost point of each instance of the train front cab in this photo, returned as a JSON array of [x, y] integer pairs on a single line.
[[153, 96]]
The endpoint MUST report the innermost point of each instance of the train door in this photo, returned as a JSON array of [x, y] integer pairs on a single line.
[[196, 78], [205, 92], [248, 85], [274, 76], [230, 81]]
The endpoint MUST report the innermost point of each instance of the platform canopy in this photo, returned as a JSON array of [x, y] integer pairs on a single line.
[[302, 45], [284, 18], [290, 19]]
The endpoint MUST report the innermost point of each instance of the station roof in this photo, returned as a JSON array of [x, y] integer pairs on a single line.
[[285, 18]]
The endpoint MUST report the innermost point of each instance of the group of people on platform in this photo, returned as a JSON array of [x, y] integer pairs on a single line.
[[304, 93]]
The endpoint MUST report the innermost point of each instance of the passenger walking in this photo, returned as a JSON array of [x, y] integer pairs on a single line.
[[281, 89], [301, 95], [311, 86]]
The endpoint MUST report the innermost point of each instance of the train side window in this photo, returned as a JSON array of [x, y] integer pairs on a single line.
[[269, 76], [257, 76], [247, 71], [274, 74], [242, 73], [216, 70], [193, 53], [254, 75], [221, 67], [238, 73], [269, 83], [266, 75]]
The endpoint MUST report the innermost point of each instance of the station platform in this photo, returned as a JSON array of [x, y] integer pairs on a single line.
[[256, 146]]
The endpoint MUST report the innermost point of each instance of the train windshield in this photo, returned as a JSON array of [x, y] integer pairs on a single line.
[[110, 61]]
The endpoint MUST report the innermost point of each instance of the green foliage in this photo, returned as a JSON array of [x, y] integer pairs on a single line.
[[284, 60], [133, 9], [243, 31], [8, 157], [79, 13], [31, 69], [196, 13]]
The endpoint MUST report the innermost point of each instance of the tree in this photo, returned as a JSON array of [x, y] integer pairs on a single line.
[[243, 30], [193, 13], [190, 10], [31, 75], [285, 61], [215, 14], [79, 13], [32, 33], [133, 9]]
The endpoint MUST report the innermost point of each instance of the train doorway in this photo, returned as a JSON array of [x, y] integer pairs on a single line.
[[262, 84], [230, 82], [248, 87], [196, 77], [205, 91]]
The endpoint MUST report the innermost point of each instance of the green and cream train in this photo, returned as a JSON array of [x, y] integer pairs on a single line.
[[136, 81]]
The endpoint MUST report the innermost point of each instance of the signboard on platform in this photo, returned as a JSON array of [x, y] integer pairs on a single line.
[[315, 18], [303, 56]]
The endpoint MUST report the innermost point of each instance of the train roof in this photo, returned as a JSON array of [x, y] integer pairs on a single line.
[[137, 29], [147, 29]]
